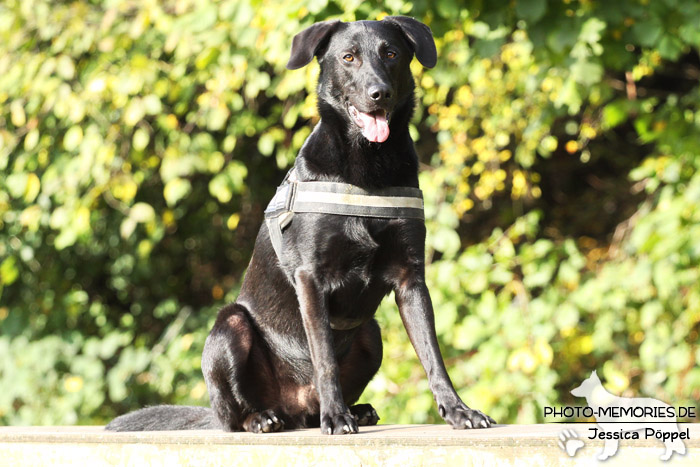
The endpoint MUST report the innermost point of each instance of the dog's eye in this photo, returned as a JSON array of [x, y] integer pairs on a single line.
[[348, 57], [391, 54]]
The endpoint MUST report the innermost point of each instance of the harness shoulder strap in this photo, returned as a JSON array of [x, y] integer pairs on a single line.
[[279, 213]]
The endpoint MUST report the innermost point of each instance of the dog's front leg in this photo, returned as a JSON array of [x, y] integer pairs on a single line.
[[416, 311], [335, 416]]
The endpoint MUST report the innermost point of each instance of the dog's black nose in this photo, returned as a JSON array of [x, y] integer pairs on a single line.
[[379, 92]]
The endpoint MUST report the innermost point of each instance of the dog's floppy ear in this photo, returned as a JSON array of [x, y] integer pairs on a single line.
[[306, 43], [420, 37]]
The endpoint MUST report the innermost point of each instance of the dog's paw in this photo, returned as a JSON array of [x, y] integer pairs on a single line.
[[338, 424], [461, 417], [364, 414], [569, 442], [263, 422]]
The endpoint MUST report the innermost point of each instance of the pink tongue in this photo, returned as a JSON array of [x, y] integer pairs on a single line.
[[374, 128]]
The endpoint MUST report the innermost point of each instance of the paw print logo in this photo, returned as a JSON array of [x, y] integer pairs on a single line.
[[569, 442]]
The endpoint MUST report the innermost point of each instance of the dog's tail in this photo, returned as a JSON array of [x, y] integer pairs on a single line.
[[166, 417]]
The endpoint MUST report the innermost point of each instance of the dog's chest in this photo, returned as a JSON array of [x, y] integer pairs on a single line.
[[354, 260], [353, 271], [349, 253]]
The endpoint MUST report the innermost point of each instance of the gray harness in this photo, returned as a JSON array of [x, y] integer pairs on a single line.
[[337, 198]]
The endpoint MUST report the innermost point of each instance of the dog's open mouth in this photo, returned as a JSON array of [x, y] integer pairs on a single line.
[[374, 125]]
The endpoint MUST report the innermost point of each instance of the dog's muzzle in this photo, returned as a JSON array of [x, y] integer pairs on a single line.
[[374, 126]]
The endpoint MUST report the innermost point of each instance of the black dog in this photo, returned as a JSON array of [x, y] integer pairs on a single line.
[[300, 344]]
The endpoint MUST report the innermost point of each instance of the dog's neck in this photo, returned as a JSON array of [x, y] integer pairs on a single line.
[[335, 153], [600, 397]]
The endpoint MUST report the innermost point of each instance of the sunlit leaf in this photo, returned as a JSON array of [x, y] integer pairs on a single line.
[[73, 138], [175, 190], [142, 212]]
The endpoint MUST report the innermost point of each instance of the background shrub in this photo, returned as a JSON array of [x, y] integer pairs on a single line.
[[140, 142]]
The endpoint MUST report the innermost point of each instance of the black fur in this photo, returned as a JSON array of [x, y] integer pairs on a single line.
[[300, 343], [166, 417]]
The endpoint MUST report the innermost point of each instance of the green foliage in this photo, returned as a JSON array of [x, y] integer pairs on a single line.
[[140, 141]]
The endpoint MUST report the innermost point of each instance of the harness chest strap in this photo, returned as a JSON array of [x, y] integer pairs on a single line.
[[340, 199]]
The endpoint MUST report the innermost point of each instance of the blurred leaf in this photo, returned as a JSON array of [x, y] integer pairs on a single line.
[[141, 139], [8, 271], [586, 73], [647, 32], [670, 47], [142, 212], [73, 138], [175, 190], [17, 184], [530, 10]]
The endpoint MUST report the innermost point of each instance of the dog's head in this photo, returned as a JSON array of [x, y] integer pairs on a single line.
[[587, 387], [365, 72]]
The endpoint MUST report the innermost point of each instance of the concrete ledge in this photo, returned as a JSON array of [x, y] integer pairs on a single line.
[[396, 445]]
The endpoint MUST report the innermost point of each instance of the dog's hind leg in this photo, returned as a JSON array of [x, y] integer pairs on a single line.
[[672, 446], [225, 363], [358, 367]]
